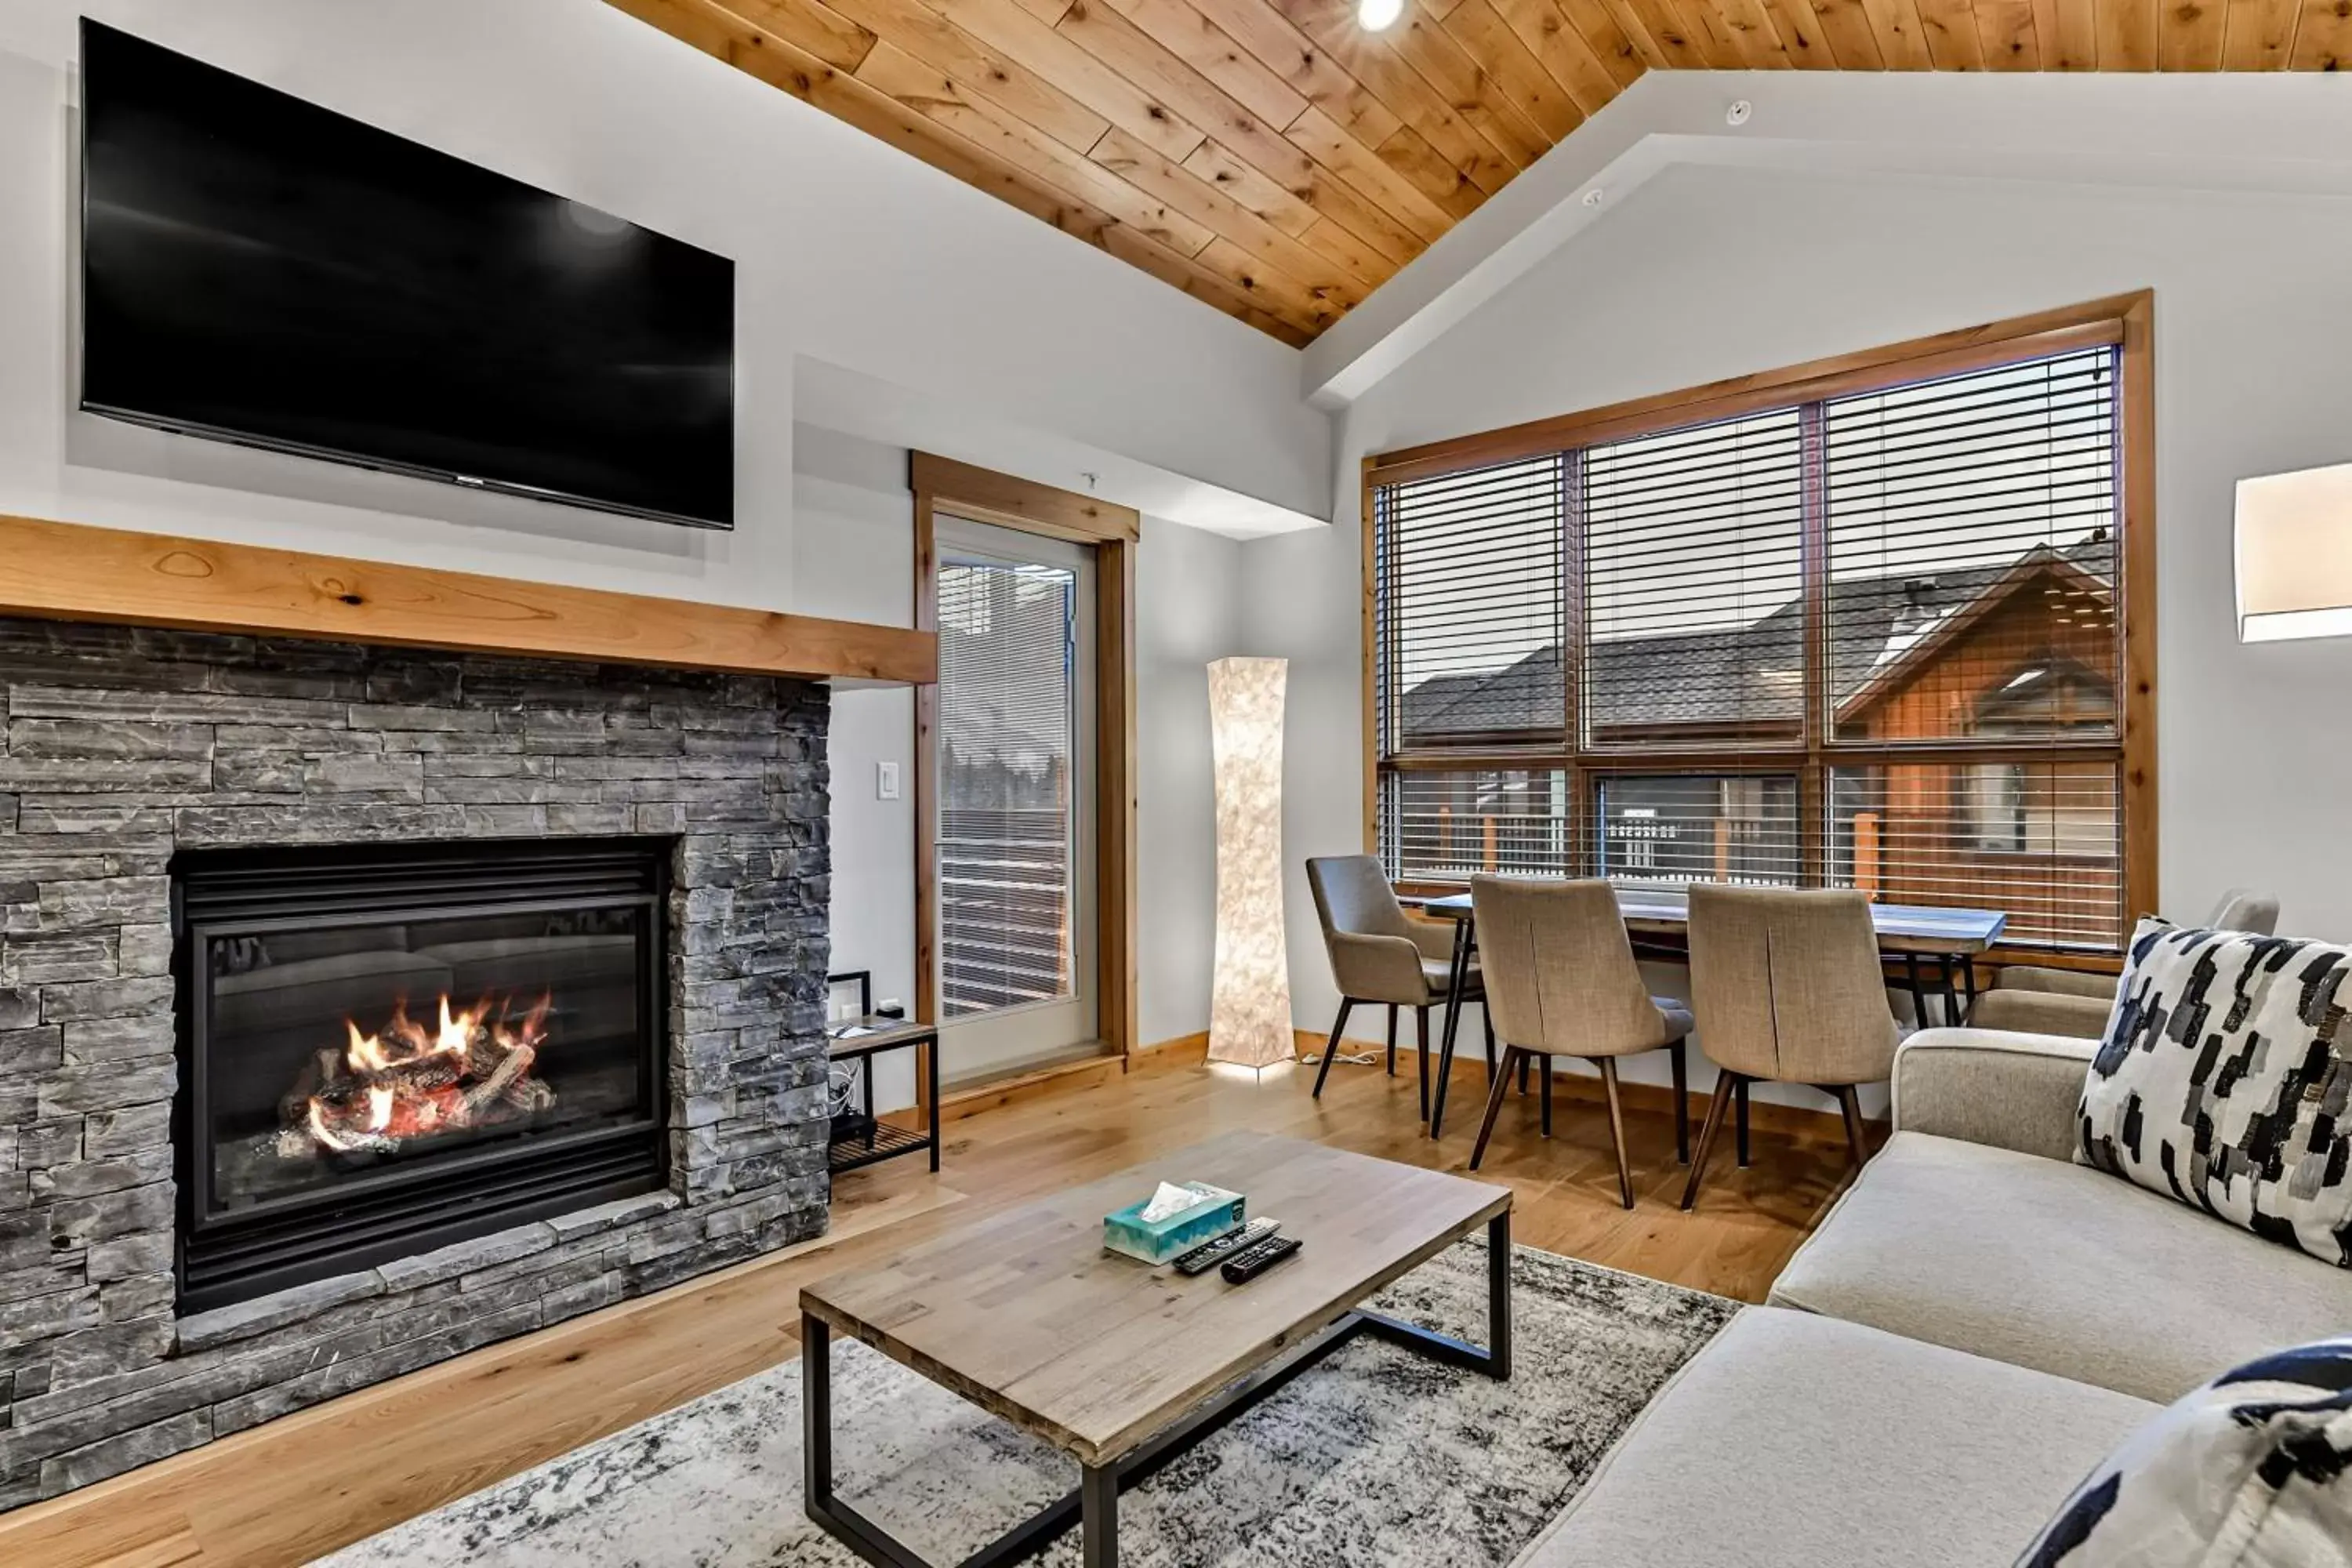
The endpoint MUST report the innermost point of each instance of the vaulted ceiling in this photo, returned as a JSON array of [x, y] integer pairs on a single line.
[[1279, 161]]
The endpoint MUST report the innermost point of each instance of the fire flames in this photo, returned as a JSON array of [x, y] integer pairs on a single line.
[[407, 1080]]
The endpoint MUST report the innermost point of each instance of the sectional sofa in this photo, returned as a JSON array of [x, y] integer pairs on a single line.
[[1978, 1322]]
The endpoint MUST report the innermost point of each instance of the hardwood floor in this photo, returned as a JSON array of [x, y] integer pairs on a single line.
[[301, 1487]]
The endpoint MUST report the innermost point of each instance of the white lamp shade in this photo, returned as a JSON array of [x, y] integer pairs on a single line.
[[2294, 555], [1249, 1012]]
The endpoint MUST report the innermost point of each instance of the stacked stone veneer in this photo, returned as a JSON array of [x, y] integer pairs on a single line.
[[123, 745]]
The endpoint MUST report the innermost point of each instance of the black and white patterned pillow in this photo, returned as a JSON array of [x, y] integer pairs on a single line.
[[2223, 1082], [2253, 1471]]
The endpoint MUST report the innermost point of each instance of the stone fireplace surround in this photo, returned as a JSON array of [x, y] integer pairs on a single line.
[[122, 746]]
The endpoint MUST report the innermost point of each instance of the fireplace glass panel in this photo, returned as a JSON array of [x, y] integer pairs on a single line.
[[355, 1049]]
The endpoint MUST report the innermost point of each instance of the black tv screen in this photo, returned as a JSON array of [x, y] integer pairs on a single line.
[[262, 270]]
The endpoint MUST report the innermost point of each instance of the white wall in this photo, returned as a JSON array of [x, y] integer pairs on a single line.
[[1187, 613], [1707, 272], [848, 251]]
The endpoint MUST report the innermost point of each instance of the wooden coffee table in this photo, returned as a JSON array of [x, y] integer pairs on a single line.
[[1123, 1366]]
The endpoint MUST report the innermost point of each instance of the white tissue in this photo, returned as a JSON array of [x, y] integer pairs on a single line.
[[1170, 1199]]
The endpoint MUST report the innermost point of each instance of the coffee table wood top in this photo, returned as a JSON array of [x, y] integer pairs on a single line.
[[1027, 1316]]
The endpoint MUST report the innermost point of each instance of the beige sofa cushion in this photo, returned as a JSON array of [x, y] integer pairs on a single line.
[[2056, 1267], [1800, 1442]]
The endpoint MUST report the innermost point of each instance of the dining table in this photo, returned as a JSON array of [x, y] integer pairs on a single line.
[[1910, 935]]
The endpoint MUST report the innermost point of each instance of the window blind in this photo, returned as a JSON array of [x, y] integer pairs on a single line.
[[1971, 528], [1869, 640], [1694, 585], [1471, 575], [1007, 822]]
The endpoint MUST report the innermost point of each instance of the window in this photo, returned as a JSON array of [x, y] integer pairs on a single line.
[[1870, 633]]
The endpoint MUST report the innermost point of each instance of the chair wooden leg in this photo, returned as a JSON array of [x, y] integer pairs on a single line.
[[1608, 1065], [1393, 1023], [1544, 1063], [1331, 1045], [1740, 1104], [1849, 1100], [1523, 1074], [1493, 1106], [1682, 1101], [1421, 1026], [1486, 1022], [1716, 1104]]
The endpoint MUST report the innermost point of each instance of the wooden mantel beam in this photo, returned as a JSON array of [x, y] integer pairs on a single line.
[[63, 571]]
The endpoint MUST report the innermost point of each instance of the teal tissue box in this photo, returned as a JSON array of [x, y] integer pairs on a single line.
[[1218, 1212]]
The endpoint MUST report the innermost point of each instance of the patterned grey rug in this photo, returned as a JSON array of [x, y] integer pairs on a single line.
[[1374, 1456]]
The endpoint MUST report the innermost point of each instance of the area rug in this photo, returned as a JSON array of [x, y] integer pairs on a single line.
[[1376, 1456]]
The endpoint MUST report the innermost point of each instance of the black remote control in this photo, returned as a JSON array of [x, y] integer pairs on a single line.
[[1209, 1254], [1249, 1265]]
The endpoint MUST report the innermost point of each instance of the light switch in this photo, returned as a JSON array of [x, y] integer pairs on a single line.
[[885, 780]]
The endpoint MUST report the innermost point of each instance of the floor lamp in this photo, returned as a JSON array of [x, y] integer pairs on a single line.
[[1249, 1013]]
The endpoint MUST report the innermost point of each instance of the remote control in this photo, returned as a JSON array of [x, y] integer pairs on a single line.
[[1209, 1254], [1249, 1265]]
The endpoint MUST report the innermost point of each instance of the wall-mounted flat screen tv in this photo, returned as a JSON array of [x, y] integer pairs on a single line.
[[259, 269]]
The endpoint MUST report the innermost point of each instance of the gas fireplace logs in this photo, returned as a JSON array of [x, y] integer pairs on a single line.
[[405, 1082]]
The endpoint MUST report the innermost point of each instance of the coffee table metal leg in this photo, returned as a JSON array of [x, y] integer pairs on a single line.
[[1099, 1492], [816, 1416], [1498, 1296]]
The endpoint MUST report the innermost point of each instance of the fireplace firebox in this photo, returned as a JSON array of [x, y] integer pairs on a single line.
[[389, 1048]]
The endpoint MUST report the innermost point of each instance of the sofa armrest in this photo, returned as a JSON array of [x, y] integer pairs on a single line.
[[1987, 1086], [2042, 1013]]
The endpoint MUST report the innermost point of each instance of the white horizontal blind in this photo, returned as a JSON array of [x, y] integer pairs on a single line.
[[1007, 822], [1447, 825], [1869, 641], [1694, 585], [1471, 576], [1972, 539], [1972, 528]]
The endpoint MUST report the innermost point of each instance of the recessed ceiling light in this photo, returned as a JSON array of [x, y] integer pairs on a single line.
[[1376, 14]]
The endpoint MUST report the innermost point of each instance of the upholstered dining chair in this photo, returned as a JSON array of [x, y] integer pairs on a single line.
[[2037, 1001], [1787, 989], [1561, 981], [1381, 957]]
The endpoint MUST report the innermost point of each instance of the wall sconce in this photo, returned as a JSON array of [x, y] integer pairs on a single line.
[[2294, 555], [1249, 1013]]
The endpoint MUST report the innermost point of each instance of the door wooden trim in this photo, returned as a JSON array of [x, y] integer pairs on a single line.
[[942, 484]]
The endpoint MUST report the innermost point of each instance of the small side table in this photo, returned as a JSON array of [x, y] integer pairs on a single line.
[[875, 1035]]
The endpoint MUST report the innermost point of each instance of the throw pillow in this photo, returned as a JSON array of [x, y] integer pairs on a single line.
[[2223, 1082], [2253, 1471]]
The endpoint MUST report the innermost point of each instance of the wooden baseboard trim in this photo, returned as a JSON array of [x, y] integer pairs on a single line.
[[960, 1100]]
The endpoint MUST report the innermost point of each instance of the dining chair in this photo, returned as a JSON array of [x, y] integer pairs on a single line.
[[1381, 957], [2037, 1001], [1561, 981], [1786, 986]]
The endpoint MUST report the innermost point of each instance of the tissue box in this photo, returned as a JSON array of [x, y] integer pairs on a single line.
[[1218, 1212]]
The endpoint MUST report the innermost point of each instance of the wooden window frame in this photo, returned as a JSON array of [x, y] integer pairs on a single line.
[[979, 495], [2125, 321]]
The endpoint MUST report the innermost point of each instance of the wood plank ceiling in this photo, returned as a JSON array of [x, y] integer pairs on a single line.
[[1275, 160]]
